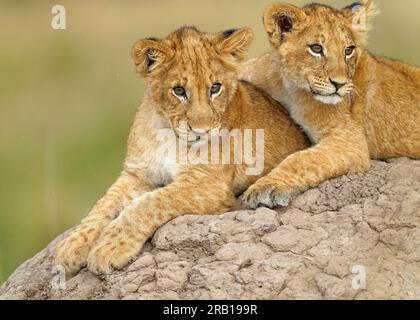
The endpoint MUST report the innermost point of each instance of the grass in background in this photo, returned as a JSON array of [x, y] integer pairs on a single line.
[[67, 98]]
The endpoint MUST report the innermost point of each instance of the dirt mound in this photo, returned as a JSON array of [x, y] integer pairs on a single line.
[[355, 237]]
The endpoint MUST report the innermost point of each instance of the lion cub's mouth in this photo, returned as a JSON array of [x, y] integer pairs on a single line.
[[189, 138], [196, 135], [332, 99], [192, 137]]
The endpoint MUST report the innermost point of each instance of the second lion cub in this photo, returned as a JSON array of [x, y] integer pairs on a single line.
[[192, 89], [352, 104]]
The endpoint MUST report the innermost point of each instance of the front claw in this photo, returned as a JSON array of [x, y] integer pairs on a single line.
[[72, 253], [266, 195], [113, 251]]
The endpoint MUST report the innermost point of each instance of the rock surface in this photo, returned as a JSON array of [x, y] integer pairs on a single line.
[[354, 237]]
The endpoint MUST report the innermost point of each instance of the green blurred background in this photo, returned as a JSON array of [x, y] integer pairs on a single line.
[[67, 98]]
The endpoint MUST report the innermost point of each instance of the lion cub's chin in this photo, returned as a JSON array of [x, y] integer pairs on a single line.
[[332, 99]]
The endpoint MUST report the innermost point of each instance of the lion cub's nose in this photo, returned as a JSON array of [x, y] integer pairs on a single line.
[[338, 84]]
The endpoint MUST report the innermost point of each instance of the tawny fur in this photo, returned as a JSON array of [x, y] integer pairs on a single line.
[[374, 114], [149, 192]]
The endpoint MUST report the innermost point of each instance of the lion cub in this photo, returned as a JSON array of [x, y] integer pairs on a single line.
[[192, 90], [352, 104]]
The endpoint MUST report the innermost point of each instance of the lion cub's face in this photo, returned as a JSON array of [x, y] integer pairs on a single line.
[[191, 76], [319, 46]]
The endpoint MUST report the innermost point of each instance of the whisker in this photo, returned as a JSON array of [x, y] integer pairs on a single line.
[[356, 90]]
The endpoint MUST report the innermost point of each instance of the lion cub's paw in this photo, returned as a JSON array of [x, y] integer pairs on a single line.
[[266, 195], [72, 253], [113, 251]]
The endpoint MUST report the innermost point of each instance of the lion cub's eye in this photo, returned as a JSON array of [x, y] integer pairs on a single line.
[[179, 91], [349, 51], [215, 88], [317, 49]]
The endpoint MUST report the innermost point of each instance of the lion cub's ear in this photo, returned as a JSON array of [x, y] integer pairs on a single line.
[[149, 54], [360, 16], [234, 43], [280, 19]]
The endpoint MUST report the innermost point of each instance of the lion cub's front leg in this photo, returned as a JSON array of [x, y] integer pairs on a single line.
[[333, 156], [73, 251], [196, 191]]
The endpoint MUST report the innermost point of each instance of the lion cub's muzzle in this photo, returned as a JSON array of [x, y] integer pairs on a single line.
[[331, 91], [331, 87]]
